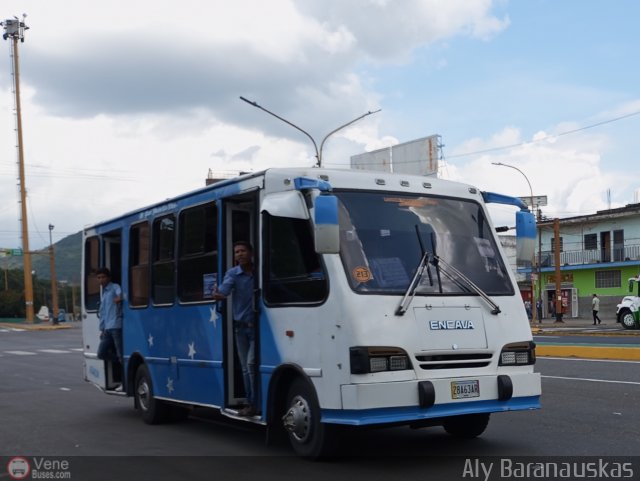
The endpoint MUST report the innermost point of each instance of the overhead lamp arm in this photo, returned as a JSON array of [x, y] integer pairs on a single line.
[[315, 146]]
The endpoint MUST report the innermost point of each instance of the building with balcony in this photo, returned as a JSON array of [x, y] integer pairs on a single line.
[[598, 254]]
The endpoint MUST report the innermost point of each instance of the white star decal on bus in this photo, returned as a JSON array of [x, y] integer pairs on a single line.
[[150, 340], [170, 385], [213, 317], [192, 350]]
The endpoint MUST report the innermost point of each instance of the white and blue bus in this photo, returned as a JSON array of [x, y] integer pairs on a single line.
[[380, 299]]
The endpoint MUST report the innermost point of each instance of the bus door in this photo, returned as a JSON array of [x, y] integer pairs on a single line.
[[239, 225], [99, 251]]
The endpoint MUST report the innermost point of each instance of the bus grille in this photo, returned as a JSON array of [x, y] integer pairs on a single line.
[[454, 361]]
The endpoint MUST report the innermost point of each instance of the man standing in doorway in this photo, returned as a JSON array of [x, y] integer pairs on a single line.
[[595, 306], [110, 314], [239, 279]]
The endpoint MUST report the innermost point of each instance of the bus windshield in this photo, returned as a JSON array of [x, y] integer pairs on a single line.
[[382, 237]]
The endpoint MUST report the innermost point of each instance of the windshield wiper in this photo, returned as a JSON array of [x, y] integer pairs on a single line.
[[427, 258], [413, 285], [448, 270], [495, 309]]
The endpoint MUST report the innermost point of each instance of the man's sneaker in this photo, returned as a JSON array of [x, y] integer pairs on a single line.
[[119, 388]]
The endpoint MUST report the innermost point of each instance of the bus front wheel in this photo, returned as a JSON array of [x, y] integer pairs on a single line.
[[308, 436], [467, 426], [153, 411]]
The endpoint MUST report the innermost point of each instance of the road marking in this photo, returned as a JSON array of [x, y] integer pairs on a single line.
[[584, 359], [592, 380], [43, 351]]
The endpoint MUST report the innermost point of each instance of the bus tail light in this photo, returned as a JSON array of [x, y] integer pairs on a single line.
[[365, 360], [518, 354]]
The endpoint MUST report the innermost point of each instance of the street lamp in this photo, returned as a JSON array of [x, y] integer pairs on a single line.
[[54, 284], [14, 30], [533, 292]]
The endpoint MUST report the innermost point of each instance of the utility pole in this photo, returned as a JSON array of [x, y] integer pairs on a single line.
[[556, 259], [14, 30], [73, 302], [54, 282], [540, 263]]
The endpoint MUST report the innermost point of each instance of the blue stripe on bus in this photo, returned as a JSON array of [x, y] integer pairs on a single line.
[[364, 417]]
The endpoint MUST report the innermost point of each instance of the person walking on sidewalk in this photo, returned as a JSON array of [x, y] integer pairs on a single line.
[[595, 306]]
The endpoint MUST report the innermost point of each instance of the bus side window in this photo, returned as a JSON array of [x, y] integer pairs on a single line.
[[139, 265], [163, 269], [294, 273], [91, 265], [197, 254]]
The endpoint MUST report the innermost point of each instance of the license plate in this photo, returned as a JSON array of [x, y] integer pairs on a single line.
[[465, 389]]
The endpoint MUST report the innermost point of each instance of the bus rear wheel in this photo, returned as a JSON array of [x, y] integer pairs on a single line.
[[309, 437], [153, 411], [467, 426], [627, 320]]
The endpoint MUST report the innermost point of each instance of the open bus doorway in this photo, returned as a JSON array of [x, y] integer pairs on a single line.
[[239, 225], [100, 251]]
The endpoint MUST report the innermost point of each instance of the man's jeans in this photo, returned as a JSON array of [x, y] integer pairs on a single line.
[[110, 347], [246, 345]]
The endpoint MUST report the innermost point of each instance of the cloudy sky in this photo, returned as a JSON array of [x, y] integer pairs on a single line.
[[126, 103]]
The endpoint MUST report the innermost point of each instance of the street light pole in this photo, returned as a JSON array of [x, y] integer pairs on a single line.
[[533, 260], [54, 283], [14, 30]]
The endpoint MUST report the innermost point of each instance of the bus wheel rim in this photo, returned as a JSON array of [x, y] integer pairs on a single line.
[[297, 421], [143, 395]]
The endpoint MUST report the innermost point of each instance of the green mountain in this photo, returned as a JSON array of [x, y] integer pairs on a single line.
[[68, 259]]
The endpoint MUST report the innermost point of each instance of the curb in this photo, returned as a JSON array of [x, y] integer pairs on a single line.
[[631, 353], [572, 332], [33, 327]]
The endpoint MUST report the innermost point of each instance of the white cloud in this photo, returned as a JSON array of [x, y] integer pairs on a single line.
[[567, 169], [129, 102]]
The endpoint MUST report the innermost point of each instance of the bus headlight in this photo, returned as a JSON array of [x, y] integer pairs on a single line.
[[365, 360], [518, 354]]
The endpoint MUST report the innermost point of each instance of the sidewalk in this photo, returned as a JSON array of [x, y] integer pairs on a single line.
[[37, 325], [584, 325], [553, 347]]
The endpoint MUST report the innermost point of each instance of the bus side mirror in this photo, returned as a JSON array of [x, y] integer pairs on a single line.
[[630, 285], [525, 237], [325, 226]]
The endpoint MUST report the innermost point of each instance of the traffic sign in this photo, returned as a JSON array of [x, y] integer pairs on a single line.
[[10, 252]]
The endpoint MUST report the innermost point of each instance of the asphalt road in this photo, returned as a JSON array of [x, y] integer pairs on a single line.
[[589, 409]]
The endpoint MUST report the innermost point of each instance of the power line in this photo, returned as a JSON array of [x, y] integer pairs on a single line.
[[546, 137]]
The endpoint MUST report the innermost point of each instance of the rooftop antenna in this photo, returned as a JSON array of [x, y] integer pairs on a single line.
[[14, 29], [315, 146]]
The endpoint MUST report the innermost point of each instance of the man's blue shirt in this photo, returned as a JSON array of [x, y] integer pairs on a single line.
[[110, 312], [241, 283]]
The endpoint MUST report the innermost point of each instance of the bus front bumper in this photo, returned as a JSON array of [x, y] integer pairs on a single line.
[[397, 402]]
